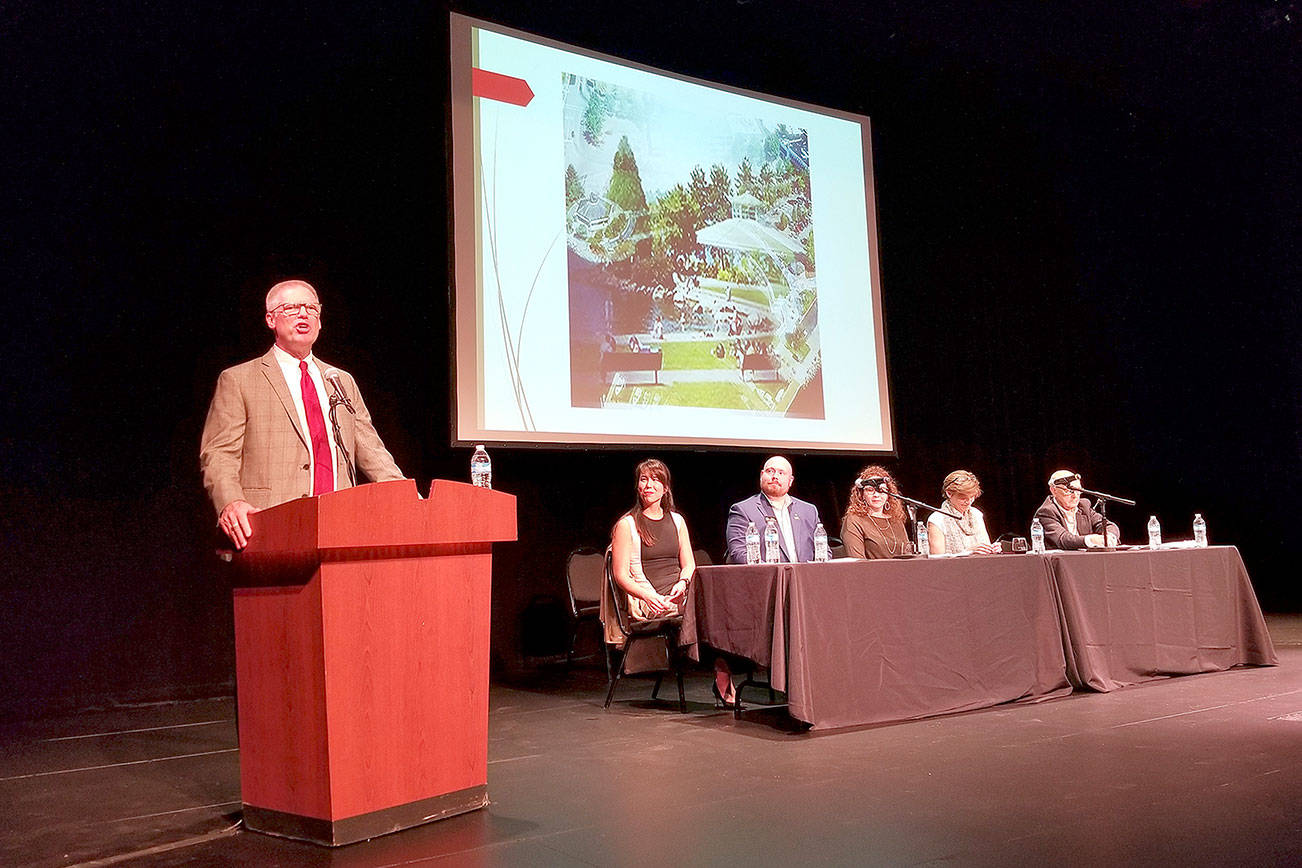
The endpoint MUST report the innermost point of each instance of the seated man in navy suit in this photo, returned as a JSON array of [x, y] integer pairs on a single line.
[[796, 518]]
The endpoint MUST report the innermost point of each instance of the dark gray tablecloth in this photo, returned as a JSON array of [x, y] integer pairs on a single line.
[[874, 641], [1138, 615]]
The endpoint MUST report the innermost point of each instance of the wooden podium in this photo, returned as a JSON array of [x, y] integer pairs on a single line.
[[361, 653]]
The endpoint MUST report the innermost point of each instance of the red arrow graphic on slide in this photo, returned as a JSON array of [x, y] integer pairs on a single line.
[[504, 88]]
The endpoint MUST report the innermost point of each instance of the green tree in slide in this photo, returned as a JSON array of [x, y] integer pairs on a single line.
[[594, 117], [700, 187], [625, 183], [675, 219], [746, 179], [573, 186], [716, 206], [766, 190]]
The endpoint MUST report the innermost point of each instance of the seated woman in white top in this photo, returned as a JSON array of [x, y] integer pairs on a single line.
[[946, 535]]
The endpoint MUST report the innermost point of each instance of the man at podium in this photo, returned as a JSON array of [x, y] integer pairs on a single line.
[[269, 438]]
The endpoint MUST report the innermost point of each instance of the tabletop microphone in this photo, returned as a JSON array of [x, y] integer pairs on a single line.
[[334, 378], [870, 482]]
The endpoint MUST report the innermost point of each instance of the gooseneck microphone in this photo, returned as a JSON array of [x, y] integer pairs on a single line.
[[334, 378], [879, 483]]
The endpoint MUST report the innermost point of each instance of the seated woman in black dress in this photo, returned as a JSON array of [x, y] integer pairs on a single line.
[[873, 526], [651, 549]]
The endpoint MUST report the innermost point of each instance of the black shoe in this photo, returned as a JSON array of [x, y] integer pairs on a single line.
[[720, 702]]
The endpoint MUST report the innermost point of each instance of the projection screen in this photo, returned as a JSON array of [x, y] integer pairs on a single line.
[[643, 258]]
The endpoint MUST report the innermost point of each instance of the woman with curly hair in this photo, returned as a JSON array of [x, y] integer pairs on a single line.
[[873, 526]]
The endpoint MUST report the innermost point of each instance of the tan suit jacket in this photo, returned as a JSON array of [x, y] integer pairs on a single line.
[[253, 449]]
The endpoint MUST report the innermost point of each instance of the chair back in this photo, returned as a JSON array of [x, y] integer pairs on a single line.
[[618, 599], [835, 548], [583, 577], [702, 557]]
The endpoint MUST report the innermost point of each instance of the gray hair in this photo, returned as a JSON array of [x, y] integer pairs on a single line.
[[285, 284]]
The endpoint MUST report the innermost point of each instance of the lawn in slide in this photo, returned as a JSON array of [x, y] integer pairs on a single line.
[[694, 356]]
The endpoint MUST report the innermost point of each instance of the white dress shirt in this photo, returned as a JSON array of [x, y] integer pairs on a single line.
[[782, 511], [293, 379]]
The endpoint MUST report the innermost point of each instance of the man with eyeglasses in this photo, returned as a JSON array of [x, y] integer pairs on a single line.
[[268, 438], [796, 519], [1069, 523]]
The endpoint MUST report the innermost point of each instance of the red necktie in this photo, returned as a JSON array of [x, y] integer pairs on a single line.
[[323, 472]]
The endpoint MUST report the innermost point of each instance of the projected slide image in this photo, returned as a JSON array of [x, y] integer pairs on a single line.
[[643, 258], [691, 263]]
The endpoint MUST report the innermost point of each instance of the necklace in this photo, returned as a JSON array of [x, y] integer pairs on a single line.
[[894, 545]]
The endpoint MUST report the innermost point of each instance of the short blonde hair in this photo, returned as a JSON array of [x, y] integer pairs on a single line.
[[962, 482]]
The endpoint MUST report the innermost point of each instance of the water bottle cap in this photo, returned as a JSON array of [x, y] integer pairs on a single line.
[[479, 447]]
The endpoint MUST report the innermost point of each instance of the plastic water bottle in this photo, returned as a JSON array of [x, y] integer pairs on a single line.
[[481, 469], [924, 547], [752, 544], [820, 543], [1154, 533], [771, 541], [1037, 537], [1200, 531]]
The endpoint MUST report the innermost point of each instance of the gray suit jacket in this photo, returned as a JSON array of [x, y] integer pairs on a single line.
[[1058, 536], [253, 449]]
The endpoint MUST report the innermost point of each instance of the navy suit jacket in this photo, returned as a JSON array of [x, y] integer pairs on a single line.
[[804, 518]]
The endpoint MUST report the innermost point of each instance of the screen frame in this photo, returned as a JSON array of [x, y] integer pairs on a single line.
[[461, 126]]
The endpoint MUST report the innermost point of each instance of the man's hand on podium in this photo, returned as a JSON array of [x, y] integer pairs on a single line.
[[234, 521]]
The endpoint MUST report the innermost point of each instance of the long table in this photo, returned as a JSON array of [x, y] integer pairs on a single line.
[[863, 642], [872, 641], [1133, 616]]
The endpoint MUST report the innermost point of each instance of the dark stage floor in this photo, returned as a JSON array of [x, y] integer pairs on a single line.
[[1202, 770]]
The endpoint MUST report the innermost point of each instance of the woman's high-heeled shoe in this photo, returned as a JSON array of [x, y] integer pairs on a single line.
[[720, 702]]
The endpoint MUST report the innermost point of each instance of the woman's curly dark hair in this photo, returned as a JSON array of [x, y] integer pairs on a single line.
[[859, 495]]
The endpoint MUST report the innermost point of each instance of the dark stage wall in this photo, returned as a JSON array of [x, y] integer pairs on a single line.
[[1089, 246]]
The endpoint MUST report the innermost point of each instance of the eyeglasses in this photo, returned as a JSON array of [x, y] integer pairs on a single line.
[[297, 309]]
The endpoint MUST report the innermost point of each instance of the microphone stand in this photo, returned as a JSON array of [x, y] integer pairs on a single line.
[[1104, 499], [911, 502], [335, 400]]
